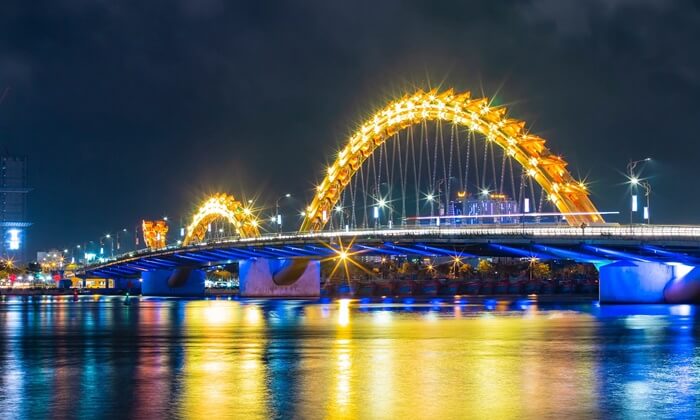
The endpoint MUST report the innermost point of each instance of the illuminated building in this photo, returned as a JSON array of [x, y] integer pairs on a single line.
[[487, 205], [52, 260], [13, 206]]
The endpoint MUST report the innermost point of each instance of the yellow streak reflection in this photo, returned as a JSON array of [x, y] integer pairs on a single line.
[[344, 312], [223, 370]]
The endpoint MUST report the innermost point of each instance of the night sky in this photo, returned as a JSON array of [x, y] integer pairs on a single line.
[[138, 109]]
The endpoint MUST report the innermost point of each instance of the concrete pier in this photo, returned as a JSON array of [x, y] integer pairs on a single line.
[[649, 282], [292, 277], [179, 282]]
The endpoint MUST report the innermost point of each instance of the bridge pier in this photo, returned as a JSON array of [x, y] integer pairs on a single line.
[[649, 282], [290, 277], [179, 282]]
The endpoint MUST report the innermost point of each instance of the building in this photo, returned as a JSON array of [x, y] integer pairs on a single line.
[[51, 261], [14, 189], [477, 210]]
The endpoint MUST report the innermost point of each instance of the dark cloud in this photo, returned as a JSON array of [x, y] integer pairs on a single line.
[[576, 17], [136, 109]]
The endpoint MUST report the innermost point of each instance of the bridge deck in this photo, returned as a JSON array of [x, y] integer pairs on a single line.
[[590, 244]]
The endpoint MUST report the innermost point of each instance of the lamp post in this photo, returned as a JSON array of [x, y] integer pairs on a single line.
[[278, 216], [430, 198], [646, 186], [634, 181], [111, 243], [380, 204], [124, 231], [102, 246], [341, 216]]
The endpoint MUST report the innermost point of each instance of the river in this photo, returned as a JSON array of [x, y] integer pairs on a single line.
[[441, 359]]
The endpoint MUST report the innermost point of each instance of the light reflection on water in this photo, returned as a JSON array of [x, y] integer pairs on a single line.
[[160, 358]]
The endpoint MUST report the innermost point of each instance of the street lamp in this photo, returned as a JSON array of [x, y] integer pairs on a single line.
[[278, 216], [634, 181], [430, 198], [111, 244], [647, 194], [119, 246], [341, 216]]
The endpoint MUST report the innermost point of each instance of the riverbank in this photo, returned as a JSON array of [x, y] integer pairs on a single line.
[[233, 294]]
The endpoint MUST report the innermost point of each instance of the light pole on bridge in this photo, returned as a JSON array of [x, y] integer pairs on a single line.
[[646, 186], [278, 216], [634, 181]]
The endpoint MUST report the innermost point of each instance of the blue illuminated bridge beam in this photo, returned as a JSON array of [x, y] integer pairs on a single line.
[[594, 244]]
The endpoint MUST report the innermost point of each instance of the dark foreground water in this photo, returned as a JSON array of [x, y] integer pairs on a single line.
[[97, 358]]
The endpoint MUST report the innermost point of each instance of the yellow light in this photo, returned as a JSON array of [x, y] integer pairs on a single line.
[[222, 206], [343, 312], [343, 255], [477, 115]]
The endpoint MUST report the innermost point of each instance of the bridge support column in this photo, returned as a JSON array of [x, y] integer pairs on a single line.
[[296, 277], [649, 282], [178, 282]]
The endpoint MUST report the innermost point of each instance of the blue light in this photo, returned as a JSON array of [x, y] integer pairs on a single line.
[[617, 254], [13, 240], [523, 305], [409, 301], [682, 310], [490, 304]]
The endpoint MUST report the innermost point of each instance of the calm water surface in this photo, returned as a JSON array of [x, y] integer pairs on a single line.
[[156, 358]]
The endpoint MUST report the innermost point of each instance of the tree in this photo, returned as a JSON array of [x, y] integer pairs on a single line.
[[540, 270], [222, 275], [465, 269], [485, 267]]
